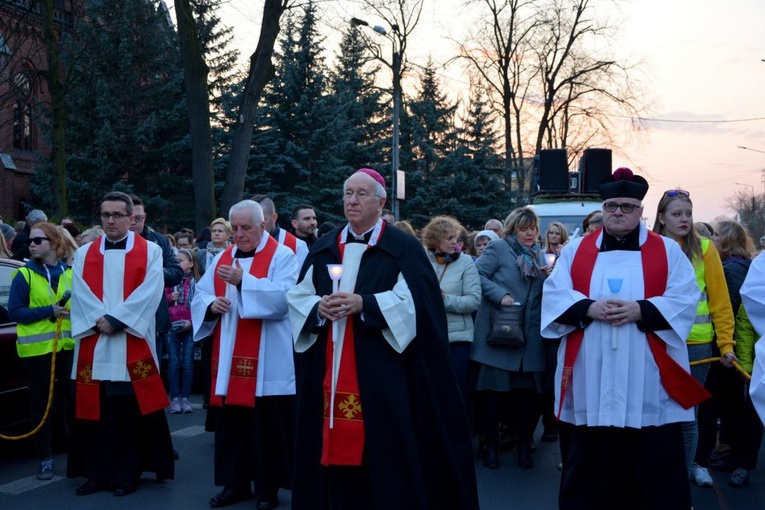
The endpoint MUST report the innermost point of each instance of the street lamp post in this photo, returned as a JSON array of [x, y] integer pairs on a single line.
[[395, 66]]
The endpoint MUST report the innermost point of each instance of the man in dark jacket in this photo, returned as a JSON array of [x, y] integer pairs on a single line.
[[170, 268]]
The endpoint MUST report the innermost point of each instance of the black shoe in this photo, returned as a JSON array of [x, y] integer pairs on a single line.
[[267, 503], [525, 461], [549, 436], [483, 447], [88, 488], [492, 458], [722, 464], [739, 478], [125, 488], [229, 496]]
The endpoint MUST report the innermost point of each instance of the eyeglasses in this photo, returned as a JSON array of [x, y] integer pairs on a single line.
[[139, 217], [676, 192], [625, 207], [37, 240], [113, 216]]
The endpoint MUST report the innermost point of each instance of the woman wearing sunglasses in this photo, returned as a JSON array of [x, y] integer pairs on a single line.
[[714, 314], [38, 303]]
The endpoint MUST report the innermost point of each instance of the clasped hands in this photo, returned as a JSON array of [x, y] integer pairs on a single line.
[[340, 305], [615, 311]]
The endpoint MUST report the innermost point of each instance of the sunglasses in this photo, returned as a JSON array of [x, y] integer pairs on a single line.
[[677, 192], [38, 240]]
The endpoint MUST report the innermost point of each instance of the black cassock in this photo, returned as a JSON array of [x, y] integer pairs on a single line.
[[417, 451]]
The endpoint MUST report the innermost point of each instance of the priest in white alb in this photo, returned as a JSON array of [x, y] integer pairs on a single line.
[[623, 299], [120, 428], [241, 302]]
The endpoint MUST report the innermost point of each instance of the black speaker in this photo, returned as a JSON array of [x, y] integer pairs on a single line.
[[551, 170], [596, 167]]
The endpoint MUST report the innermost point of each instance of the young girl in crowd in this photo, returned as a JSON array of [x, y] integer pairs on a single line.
[[714, 315], [180, 343]]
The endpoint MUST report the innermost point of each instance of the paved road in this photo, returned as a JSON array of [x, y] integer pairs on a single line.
[[505, 488]]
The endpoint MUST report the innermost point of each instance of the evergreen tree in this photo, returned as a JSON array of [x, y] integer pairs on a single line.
[[294, 158], [128, 123], [357, 105], [433, 135]]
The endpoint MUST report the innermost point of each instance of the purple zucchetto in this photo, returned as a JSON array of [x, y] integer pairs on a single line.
[[623, 183], [374, 174]]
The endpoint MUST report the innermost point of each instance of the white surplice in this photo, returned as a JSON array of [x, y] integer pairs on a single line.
[[620, 387], [300, 246], [753, 297], [137, 312], [260, 298]]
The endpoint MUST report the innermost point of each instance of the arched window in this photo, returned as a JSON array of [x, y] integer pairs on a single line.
[[5, 56], [23, 130]]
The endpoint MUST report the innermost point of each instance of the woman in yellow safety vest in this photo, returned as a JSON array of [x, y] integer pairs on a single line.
[[714, 314], [38, 304]]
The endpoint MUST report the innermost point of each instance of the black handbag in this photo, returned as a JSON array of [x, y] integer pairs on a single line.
[[506, 324]]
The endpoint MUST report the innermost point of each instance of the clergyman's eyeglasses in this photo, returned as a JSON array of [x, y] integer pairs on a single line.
[[625, 207]]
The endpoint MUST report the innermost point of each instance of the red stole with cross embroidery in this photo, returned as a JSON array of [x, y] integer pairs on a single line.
[[141, 365], [677, 382], [244, 362], [343, 443]]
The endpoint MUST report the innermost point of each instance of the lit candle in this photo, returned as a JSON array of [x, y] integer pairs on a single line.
[[335, 273], [550, 259]]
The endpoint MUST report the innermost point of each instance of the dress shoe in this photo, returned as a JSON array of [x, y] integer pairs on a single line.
[[229, 496], [267, 503], [125, 488], [525, 461], [483, 447], [491, 460], [739, 478], [88, 488]]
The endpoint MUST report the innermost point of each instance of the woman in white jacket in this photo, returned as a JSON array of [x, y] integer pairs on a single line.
[[460, 288]]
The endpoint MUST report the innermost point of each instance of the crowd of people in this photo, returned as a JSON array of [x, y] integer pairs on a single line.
[[356, 364]]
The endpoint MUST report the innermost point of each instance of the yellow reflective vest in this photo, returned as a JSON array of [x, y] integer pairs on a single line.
[[36, 339], [702, 331]]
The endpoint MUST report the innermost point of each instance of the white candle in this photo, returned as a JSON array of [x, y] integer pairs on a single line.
[[335, 273], [550, 258]]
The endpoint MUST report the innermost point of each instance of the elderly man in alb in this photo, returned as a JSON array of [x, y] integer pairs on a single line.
[[241, 301], [381, 423], [120, 428], [624, 299]]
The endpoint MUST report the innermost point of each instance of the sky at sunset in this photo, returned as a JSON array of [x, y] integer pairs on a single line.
[[700, 66]]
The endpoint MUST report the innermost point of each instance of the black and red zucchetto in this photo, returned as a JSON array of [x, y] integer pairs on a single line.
[[623, 184]]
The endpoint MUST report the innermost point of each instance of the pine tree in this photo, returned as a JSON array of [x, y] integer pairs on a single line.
[[294, 158], [128, 123], [433, 135]]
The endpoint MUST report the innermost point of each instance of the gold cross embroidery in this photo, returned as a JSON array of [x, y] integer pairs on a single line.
[[351, 407], [245, 368], [142, 369], [86, 373]]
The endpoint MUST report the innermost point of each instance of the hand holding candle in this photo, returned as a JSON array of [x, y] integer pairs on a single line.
[[335, 273]]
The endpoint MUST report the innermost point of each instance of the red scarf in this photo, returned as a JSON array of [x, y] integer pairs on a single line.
[[677, 382], [244, 362], [343, 444], [141, 365]]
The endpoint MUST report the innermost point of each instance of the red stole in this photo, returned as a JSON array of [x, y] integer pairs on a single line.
[[290, 241], [143, 370], [244, 361], [677, 382], [343, 444]]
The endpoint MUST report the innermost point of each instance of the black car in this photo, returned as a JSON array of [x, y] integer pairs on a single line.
[[14, 394]]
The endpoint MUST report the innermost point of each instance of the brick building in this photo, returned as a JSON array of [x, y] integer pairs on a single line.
[[23, 97]]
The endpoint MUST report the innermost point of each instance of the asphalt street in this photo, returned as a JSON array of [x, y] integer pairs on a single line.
[[505, 488]]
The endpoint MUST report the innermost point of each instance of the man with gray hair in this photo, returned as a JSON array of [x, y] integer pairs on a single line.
[[242, 303], [381, 423], [20, 245]]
